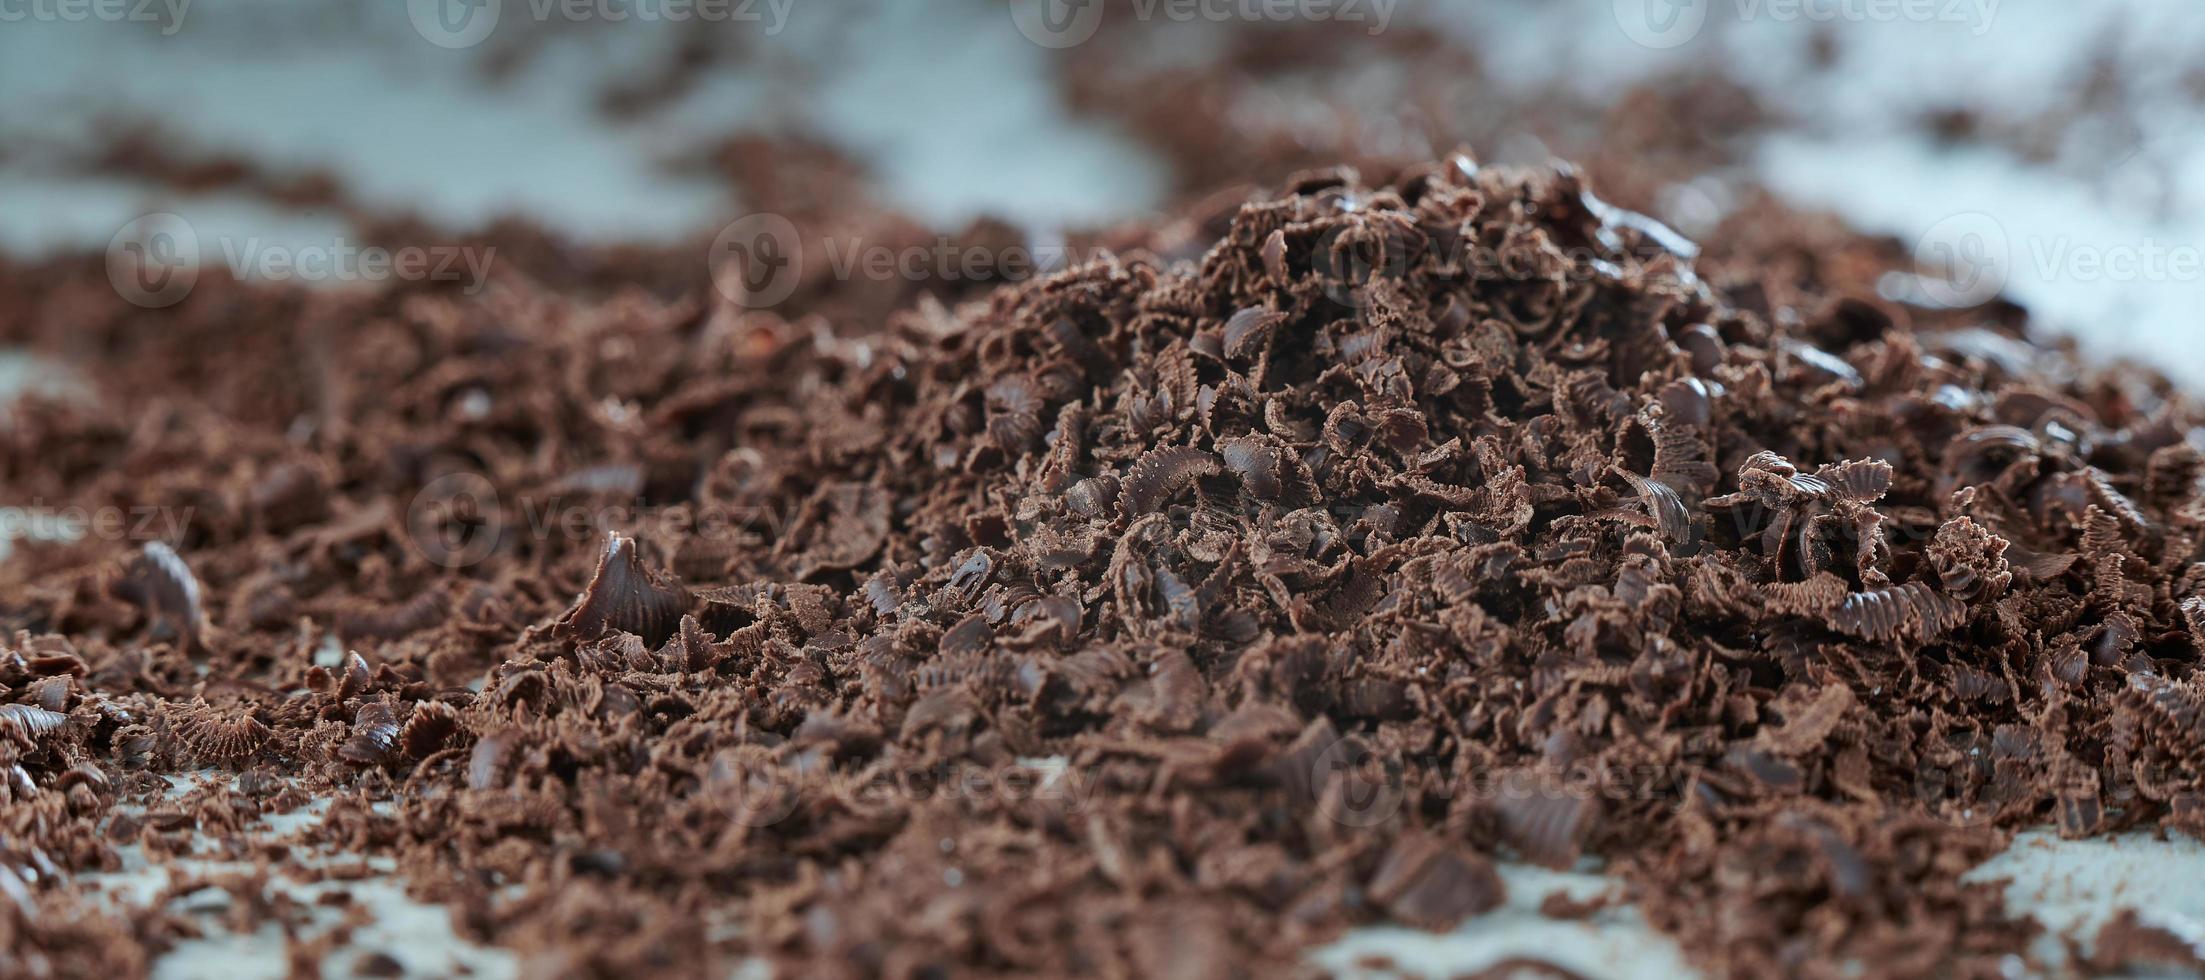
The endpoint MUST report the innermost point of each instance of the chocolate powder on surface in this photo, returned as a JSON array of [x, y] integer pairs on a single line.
[[1158, 617]]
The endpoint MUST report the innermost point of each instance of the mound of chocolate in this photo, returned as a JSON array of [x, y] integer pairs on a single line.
[[1153, 618]]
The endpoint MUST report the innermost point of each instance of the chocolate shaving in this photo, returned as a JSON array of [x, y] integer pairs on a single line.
[[1248, 331], [1547, 824], [24, 723], [158, 581], [624, 595], [374, 735], [431, 726], [492, 759], [224, 737], [1433, 886], [1161, 474], [1970, 561], [1262, 463], [1911, 611]]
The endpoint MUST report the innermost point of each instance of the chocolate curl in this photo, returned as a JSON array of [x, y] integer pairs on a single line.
[[625, 595]]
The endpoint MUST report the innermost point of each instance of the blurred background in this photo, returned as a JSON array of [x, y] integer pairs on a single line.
[[2048, 149]]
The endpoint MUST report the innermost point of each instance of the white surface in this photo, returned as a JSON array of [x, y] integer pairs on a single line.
[[1614, 942], [416, 934], [2074, 887]]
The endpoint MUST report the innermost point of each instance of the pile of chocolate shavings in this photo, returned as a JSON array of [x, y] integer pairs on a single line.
[[1150, 618]]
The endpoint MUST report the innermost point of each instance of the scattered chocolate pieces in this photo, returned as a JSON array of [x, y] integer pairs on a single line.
[[1166, 615]]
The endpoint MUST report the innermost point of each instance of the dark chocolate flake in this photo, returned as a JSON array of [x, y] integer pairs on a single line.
[[25, 723], [624, 595], [159, 581], [1248, 331], [1432, 885], [1160, 474]]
